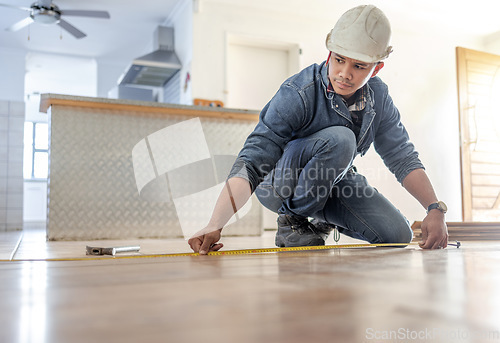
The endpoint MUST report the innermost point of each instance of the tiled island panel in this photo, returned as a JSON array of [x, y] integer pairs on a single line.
[[93, 193]]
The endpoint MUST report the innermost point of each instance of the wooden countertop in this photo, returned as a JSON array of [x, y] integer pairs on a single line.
[[48, 100]]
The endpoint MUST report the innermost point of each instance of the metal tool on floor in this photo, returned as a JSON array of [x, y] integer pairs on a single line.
[[111, 251]]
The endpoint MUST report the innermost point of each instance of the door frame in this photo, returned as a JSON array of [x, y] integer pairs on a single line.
[[293, 50], [464, 108]]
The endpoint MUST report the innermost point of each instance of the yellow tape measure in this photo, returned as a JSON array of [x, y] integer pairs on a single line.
[[223, 252]]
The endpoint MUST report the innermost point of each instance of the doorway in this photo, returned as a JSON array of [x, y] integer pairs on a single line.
[[478, 90], [255, 69]]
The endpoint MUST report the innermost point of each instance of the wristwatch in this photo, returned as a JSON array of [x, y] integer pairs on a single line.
[[438, 206]]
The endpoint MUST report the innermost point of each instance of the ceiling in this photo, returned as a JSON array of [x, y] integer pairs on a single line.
[[132, 22], [129, 29]]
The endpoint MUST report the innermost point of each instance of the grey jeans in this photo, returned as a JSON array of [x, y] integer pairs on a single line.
[[314, 178]]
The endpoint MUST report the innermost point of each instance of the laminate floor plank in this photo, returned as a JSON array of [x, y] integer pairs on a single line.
[[342, 295]]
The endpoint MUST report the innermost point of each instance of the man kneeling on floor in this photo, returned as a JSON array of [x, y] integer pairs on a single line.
[[298, 160]]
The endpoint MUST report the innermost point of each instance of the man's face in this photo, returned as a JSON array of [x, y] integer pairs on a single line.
[[348, 75]]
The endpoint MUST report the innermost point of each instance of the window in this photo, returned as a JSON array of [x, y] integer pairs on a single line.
[[36, 150]]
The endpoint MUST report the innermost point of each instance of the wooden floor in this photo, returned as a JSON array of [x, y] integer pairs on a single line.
[[340, 295]]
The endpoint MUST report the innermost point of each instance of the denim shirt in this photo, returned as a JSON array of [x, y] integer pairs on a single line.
[[302, 106]]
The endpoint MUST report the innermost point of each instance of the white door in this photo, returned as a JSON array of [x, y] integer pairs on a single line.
[[254, 74]]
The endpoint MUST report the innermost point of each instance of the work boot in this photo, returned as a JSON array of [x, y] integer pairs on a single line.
[[295, 231]]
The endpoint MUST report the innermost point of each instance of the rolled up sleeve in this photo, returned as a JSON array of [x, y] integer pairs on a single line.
[[393, 144], [278, 121]]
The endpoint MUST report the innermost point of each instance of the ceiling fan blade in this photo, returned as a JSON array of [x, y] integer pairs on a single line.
[[71, 29], [17, 7], [20, 24], [84, 13]]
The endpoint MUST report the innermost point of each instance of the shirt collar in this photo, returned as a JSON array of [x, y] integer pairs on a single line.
[[361, 97]]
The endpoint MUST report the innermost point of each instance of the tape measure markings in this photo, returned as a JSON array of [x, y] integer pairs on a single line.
[[221, 253]]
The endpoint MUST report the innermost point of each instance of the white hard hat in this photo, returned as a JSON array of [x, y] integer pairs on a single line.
[[362, 33]]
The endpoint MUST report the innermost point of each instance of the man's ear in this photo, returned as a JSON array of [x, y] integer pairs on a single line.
[[379, 66]]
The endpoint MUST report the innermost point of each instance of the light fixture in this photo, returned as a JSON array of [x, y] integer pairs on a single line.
[[44, 15]]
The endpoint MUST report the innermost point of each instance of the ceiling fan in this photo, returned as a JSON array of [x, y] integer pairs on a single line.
[[46, 12]]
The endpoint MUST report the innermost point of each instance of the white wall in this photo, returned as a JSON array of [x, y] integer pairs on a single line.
[[12, 66], [421, 74], [214, 22], [181, 19], [177, 90], [492, 43], [109, 72], [423, 86], [50, 73]]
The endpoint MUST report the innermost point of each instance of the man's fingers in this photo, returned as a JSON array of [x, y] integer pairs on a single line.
[[430, 243], [427, 244], [423, 241], [205, 240], [195, 244], [216, 247], [427, 241], [206, 246], [444, 242], [436, 245], [433, 243], [209, 244]]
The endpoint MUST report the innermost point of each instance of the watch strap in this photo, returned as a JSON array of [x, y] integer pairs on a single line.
[[437, 206]]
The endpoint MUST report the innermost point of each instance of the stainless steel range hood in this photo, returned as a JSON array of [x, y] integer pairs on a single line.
[[156, 68]]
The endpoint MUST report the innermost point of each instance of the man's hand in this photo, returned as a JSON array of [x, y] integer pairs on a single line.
[[204, 242], [434, 231]]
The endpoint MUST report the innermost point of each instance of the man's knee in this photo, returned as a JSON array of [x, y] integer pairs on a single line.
[[268, 197], [339, 137], [398, 233], [339, 142]]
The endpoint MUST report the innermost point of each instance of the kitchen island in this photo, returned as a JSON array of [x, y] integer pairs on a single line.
[[106, 179]]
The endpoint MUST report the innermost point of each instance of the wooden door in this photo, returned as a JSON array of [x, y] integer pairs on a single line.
[[479, 110]]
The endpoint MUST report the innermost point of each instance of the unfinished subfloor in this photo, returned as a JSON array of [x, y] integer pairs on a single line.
[[340, 295]]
